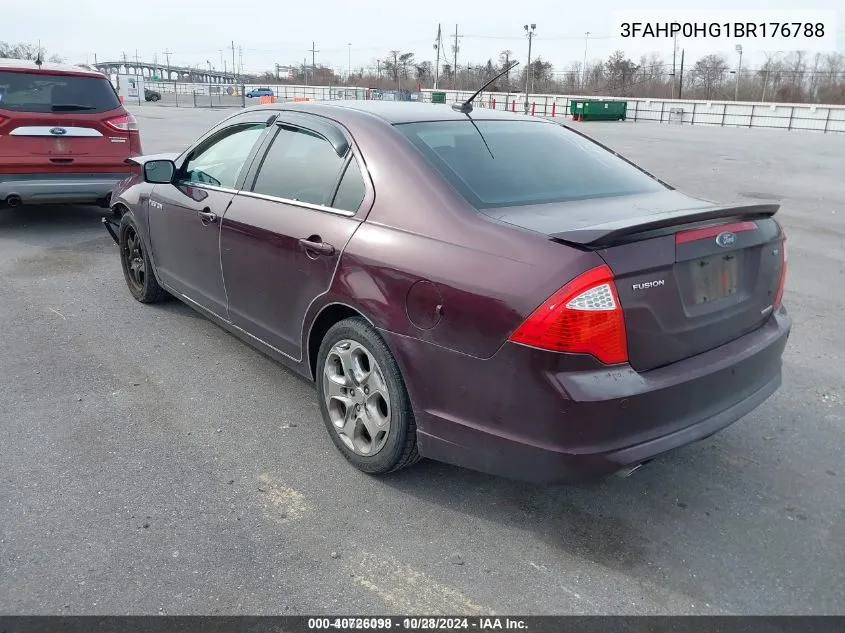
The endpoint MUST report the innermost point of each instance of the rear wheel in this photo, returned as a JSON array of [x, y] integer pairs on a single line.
[[137, 268], [363, 399]]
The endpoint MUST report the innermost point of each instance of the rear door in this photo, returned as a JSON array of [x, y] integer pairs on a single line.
[[285, 231], [185, 216], [62, 123]]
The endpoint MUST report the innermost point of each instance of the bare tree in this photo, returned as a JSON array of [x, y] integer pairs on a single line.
[[29, 52], [506, 59], [709, 73]]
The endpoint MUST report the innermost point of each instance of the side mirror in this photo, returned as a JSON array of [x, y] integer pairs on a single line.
[[159, 172]]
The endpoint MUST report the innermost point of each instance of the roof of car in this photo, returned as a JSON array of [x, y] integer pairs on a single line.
[[399, 111], [29, 65]]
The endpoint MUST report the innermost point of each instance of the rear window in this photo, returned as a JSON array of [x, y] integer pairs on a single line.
[[515, 163], [37, 92]]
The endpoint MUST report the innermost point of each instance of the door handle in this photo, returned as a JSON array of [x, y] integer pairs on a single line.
[[315, 245], [207, 216]]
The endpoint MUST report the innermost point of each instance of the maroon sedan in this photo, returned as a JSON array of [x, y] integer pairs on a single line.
[[487, 289]]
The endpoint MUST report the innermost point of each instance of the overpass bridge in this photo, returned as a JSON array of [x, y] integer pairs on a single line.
[[165, 72]]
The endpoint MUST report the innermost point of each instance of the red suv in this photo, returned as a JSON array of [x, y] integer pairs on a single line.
[[64, 134]]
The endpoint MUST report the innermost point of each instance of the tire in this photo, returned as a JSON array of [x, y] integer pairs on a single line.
[[137, 268], [372, 453], [155, 98]]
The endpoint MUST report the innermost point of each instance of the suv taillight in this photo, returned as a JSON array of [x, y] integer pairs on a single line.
[[782, 281], [3, 119], [583, 317], [123, 123]]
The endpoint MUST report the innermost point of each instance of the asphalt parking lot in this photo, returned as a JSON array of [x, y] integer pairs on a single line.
[[152, 463]]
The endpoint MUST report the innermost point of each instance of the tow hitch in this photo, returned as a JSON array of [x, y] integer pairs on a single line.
[[112, 226]]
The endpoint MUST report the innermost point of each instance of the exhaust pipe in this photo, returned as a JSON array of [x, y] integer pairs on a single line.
[[14, 200]]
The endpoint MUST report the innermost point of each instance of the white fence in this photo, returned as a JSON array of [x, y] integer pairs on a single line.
[[786, 116]]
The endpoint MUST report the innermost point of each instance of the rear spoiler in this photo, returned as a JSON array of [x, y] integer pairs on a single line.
[[641, 227]]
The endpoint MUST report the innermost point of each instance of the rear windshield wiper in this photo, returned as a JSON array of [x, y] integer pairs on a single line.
[[58, 107]]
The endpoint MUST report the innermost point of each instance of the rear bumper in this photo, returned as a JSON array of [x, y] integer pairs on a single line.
[[520, 415], [58, 188]]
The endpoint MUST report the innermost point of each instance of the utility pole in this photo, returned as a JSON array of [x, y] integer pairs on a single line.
[[508, 73], [584, 66], [378, 74], [437, 62], [240, 59], [528, 68], [349, 64], [738, 72], [396, 70], [314, 52], [305, 69], [167, 55], [455, 48], [674, 53], [234, 67], [681, 80]]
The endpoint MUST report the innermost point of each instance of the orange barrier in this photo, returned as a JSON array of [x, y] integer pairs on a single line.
[[266, 99], [301, 99]]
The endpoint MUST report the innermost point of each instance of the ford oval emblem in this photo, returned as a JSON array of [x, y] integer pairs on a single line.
[[726, 239], [58, 131]]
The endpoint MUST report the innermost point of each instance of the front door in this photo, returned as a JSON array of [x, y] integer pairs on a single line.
[[285, 231], [185, 216]]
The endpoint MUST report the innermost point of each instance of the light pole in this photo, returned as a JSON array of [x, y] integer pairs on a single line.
[[530, 32], [738, 72], [584, 67], [349, 62]]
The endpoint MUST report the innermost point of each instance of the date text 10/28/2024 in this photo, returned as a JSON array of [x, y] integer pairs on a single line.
[[419, 624]]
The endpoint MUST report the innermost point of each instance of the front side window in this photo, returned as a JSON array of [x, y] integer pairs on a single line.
[[220, 160], [300, 165], [514, 163]]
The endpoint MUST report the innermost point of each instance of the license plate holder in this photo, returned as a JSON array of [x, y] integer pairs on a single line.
[[714, 277]]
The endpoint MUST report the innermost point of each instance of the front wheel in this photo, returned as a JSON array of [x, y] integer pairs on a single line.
[[137, 268], [363, 399]]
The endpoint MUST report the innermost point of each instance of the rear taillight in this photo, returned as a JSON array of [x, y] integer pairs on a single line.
[[782, 280], [583, 317], [3, 119], [123, 123]]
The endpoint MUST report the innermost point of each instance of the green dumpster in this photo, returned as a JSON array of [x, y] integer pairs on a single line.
[[438, 97], [598, 110]]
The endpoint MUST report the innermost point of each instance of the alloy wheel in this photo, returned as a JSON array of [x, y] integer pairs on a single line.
[[357, 397], [133, 256]]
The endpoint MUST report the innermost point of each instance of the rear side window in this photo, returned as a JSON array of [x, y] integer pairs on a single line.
[[299, 165], [38, 92], [350, 194], [514, 163]]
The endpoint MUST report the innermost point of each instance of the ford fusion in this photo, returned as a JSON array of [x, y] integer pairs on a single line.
[[483, 288]]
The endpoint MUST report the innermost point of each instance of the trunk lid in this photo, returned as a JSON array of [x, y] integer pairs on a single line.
[[35, 141], [58, 123], [691, 275]]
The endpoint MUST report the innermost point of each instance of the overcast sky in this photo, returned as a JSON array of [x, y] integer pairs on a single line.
[[282, 32]]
